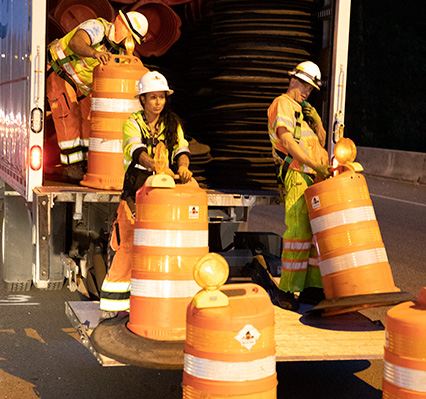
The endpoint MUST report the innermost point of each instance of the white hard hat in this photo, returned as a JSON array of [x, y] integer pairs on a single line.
[[309, 72], [153, 81], [136, 23]]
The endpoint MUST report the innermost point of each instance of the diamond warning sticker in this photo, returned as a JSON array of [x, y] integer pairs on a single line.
[[194, 212], [248, 336], [315, 202]]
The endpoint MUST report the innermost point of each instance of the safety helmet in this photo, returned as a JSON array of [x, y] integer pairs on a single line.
[[153, 81], [308, 72], [133, 22]]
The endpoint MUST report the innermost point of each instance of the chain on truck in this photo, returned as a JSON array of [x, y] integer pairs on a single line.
[[51, 231]]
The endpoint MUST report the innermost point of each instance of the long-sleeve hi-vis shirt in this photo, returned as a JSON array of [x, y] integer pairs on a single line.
[[137, 137], [283, 112]]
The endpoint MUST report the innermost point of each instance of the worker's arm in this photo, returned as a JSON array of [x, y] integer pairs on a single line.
[[146, 161], [80, 44], [292, 148], [310, 114], [183, 168]]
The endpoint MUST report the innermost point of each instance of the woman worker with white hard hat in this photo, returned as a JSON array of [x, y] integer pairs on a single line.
[[142, 132]]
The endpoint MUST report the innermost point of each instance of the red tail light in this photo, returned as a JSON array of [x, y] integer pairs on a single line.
[[36, 157]]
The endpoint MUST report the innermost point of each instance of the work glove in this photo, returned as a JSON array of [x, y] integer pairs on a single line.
[[185, 174], [322, 171], [310, 114]]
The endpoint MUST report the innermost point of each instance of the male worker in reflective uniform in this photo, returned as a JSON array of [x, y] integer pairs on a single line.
[[71, 61], [298, 137], [143, 131]]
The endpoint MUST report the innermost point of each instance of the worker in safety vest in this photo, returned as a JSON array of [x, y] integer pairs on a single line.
[[298, 137], [71, 61], [142, 132]]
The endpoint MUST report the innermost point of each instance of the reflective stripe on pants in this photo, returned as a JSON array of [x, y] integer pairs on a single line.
[[297, 272], [70, 116], [115, 292]]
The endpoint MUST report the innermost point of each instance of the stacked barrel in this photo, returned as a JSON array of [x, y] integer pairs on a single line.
[[170, 236], [405, 350], [230, 350], [113, 101], [352, 256]]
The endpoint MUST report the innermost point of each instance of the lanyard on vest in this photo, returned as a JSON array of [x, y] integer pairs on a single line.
[[287, 158]]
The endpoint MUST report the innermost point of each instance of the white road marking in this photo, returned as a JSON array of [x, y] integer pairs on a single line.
[[397, 199]]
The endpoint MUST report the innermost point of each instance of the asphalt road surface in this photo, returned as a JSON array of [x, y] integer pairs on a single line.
[[40, 356]]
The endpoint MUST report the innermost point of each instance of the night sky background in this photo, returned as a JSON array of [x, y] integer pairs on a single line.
[[386, 82]]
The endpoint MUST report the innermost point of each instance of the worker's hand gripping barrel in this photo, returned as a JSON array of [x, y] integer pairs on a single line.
[[405, 350], [230, 346], [114, 88], [170, 236], [352, 256]]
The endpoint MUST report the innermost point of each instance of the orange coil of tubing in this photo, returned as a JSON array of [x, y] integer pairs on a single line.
[[114, 88], [164, 27], [230, 350], [352, 257], [170, 236], [405, 351]]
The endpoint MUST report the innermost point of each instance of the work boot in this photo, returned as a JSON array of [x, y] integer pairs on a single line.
[[311, 295], [107, 314], [73, 173], [285, 300]]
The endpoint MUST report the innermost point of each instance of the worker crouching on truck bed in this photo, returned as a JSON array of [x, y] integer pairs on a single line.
[[71, 61], [298, 137], [142, 132]]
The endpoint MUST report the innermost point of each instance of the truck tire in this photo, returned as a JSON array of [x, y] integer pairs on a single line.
[[16, 245]]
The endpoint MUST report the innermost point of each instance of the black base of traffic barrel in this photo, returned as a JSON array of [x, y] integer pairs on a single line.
[[113, 339], [334, 306]]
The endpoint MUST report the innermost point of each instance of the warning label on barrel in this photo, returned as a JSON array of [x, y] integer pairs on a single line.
[[248, 336], [315, 202], [194, 212]]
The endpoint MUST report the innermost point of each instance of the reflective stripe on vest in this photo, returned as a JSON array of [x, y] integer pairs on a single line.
[[229, 371]]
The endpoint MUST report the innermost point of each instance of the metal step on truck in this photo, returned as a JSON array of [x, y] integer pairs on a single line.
[[51, 230]]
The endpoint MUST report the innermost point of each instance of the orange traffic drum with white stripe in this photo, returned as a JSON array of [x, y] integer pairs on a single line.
[[405, 350], [351, 253], [230, 350], [170, 236], [113, 101]]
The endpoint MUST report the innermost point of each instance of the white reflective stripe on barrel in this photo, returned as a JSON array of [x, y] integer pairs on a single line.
[[352, 260], [229, 371], [171, 238], [115, 105], [341, 218], [105, 145], [164, 288], [414, 380]]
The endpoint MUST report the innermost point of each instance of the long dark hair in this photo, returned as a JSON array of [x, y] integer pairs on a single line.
[[171, 123]]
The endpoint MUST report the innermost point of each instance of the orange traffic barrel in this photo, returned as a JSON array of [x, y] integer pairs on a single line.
[[230, 350], [114, 88], [351, 253], [405, 350], [170, 236], [164, 27], [71, 13]]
